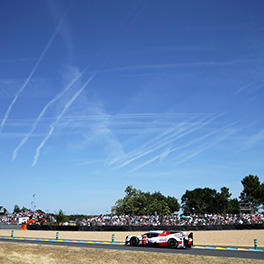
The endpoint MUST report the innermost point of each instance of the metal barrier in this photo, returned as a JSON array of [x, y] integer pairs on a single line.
[[12, 226], [145, 228]]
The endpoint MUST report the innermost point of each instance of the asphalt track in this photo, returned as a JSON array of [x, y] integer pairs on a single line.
[[196, 250]]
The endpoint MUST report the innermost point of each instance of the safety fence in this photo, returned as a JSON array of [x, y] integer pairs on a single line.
[[11, 226], [146, 228]]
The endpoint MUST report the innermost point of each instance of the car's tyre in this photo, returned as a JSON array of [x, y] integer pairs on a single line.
[[172, 243], [134, 241]]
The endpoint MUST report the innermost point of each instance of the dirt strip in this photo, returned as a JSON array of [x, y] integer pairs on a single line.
[[242, 238]]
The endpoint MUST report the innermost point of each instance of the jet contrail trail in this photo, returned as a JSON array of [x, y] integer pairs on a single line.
[[171, 138], [192, 142], [43, 111], [43, 53], [52, 127], [175, 148], [42, 145], [203, 148], [153, 141]]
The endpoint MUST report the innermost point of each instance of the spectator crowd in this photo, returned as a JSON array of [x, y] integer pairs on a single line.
[[173, 220], [36, 217], [39, 217]]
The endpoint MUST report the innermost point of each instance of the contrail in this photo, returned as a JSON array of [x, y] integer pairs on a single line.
[[173, 137], [167, 134], [43, 53], [52, 127], [151, 143], [203, 148], [42, 145], [192, 142], [43, 111], [175, 148]]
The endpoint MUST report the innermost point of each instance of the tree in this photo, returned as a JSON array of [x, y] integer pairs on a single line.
[[40, 211], [24, 209], [3, 210], [222, 200], [252, 194], [61, 217], [199, 201], [16, 209], [206, 200], [173, 204], [130, 203], [261, 194], [137, 202], [233, 206]]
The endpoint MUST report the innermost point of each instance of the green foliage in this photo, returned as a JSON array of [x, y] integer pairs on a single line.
[[40, 211], [206, 200], [61, 217], [24, 209], [261, 195], [199, 201], [137, 202], [233, 206], [16, 209], [222, 200], [253, 192], [3, 210], [76, 217]]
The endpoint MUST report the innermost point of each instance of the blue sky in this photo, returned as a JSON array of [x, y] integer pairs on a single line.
[[97, 95]]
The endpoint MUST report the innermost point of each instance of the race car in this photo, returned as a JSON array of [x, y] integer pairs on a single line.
[[169, 239]]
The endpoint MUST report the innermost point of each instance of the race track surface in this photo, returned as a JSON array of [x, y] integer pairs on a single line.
[[196, 250]]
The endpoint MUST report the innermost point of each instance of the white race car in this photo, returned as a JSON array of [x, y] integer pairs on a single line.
[[169, 239]]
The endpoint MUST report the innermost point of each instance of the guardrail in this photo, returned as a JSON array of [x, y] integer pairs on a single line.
[[145, 228], [11, 226]]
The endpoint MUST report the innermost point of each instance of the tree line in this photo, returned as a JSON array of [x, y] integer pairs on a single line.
[[197, 201]]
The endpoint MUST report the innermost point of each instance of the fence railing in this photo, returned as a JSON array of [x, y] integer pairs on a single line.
[[146, 228], [11, 226]]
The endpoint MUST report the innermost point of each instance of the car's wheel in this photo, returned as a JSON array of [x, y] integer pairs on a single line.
[[134, 241], [172, 243]]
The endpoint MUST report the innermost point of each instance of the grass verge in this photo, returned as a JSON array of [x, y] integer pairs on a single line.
[[14, 253]]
